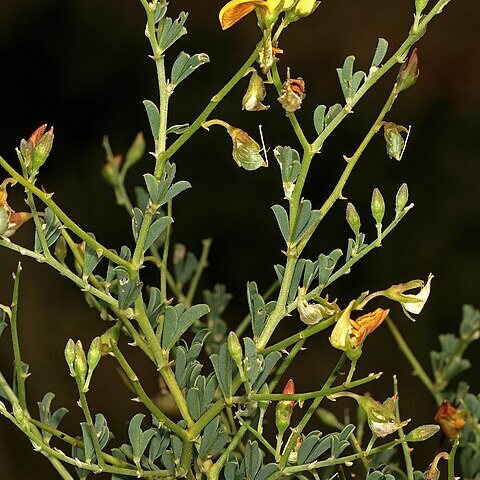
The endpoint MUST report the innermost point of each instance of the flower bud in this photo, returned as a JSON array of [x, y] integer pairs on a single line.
[[450, 420], [394, 139], [422, 433], [409, 72], [19, 415], [235, 350], [312, 313], [353, 219], [69, 353], [94, 353], [110, 170], [284, 409], [303, 8], [256, 92], [378, 206], [293, 93], [135, 152], [80, 363], [37, 148], [401, 198]]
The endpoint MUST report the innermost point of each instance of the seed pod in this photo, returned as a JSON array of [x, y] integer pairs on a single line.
[[422, 433]]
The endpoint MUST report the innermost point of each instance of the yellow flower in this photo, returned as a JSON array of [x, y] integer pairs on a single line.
[[235, 10]]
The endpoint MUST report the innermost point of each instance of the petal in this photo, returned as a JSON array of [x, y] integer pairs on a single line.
[[417, 302], [235, 10]]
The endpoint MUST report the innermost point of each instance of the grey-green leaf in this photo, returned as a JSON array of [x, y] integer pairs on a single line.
[[155, 230], [172, 31], [380, 52], [282, 219], [185, 65], [153, 117], [319, 118], [177, 129]]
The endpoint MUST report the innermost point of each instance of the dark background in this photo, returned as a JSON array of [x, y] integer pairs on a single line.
[[83, 67]]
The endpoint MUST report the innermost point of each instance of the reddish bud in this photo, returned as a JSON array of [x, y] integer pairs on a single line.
[[289, 389], [409, 72], [37, 135]]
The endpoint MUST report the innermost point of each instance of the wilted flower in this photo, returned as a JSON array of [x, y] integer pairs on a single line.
[[256, 92], [312, 313], [10, 221], [293, 93], [410, 303], [450, 419], [246, 151], [348, 335], [394, 139], [381, 417]]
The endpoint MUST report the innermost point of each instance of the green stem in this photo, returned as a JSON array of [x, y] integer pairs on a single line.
[[415, 364], [304, 334], [38, 224], [90, 424], [292, 441], [17, 358], [451, 459], [142, 395], [324, 392], [58, 466], [202, 264], [70, 224], [401, 435], [258, 436]]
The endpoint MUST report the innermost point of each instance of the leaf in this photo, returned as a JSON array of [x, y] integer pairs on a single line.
[[50, 228], [319, 118], [90, 260], [268, 365], [139, 439], [87, 443], [333, 112], [137, 219], [178, 319], [184, 66], [153, 188], [252, 460], [172, 31], [303, 218], [177, 129], [266, 471], [3, 323], [326, 265], [155, 230], [153, 117], [223, 367], [174, 190], [155, 306], [128, 290], [214, 439], [380, 52], [282, 219], [47, 417], [256, 306]]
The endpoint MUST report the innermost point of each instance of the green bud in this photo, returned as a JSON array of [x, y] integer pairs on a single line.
[[80, 363], [69, 353], [26, 149], [293, 93], [409, 72], [135, 152], [394, 140], [94, 353], [378, 206], [256, 92], [20, 416], [61, 249], [353, 219], [420, 6], [235, 350], [263, 404], [422, 433], [401, 198]]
